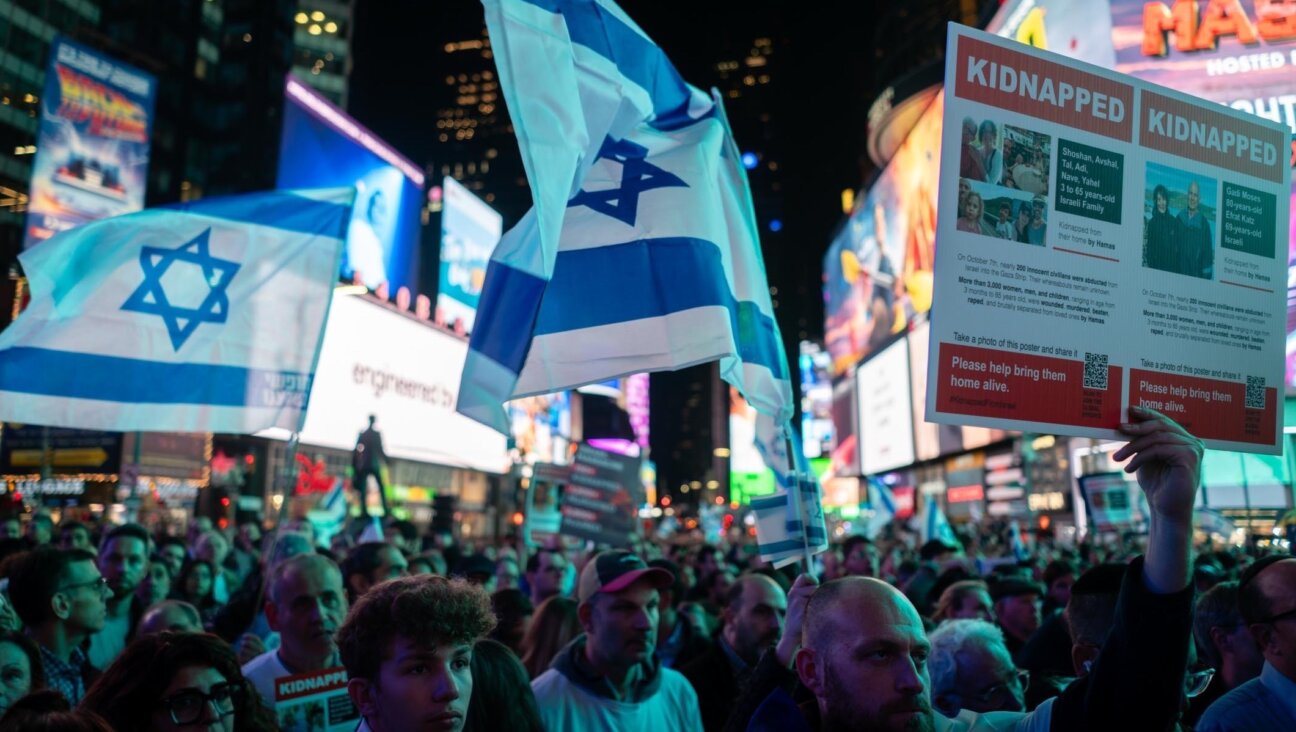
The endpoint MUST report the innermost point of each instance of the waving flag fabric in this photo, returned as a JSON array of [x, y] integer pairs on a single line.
[[882, 501], [204, 317], [936, 526], [641, 252]]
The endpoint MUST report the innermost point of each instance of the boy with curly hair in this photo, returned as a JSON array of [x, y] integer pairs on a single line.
[[407, 647]]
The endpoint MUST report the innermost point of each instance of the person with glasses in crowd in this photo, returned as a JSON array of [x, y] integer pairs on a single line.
[[61, 599], [1267, 601], [1225, 644], [971, 668], [173, 681]]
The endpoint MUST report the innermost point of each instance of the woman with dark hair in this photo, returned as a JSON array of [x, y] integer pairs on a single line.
[[197, 587], [554, 626], [157, 583], [48, 711], [501, 692], [173, 681], [20, 669], [513, 611], [1162, 246]]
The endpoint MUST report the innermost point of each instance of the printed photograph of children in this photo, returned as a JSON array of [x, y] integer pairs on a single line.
[[1003, 183]]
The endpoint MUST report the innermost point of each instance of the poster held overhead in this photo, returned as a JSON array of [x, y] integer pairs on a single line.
[[1130, 259]]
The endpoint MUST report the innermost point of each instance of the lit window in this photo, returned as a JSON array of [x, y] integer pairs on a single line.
[[301, 18], [330, 27], [314, 29], [317, 16]]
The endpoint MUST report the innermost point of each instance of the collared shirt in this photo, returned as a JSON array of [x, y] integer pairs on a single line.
[[1261, 704], [64, 677]]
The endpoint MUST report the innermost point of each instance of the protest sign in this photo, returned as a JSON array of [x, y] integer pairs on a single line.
[[1112, 500], [602, 497], [315, 702], [1104, 242]]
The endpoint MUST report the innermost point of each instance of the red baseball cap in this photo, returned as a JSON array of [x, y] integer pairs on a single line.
[[613, 571]]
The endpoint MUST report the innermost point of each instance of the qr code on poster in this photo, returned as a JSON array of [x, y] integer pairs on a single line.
[[1095, 375], [1255, 393]]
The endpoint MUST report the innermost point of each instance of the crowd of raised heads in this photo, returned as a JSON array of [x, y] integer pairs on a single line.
[[125, 627]]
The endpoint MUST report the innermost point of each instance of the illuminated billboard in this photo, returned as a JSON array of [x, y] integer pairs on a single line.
[[92, 145], [885, 410], [541, 427], [323, 147], [405, 372], [878, 271], [749, 477], [816, 401], [470, 229]]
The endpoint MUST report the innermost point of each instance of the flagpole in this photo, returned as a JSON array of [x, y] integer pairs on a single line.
[[794, 500]]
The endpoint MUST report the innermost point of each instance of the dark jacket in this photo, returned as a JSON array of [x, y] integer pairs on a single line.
[[1135, 684], [715, 680]]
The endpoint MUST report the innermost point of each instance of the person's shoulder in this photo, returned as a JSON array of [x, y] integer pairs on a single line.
[[674, 682], [1238, 702], [266, 663], [549, 683]]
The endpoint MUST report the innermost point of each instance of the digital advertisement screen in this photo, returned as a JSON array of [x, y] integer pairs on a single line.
[[541, 427], [845, 450], [323, 147], [748, 475], [470, 229], [92, 145], [878, 271], [885, 410], [816, 401], [405, 372]]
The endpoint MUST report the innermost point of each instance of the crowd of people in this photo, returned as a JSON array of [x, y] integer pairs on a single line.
[[115, 627]]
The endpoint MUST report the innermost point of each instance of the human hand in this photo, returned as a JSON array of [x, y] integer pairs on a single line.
[[1168, 461], [250, 646], [798, 599]]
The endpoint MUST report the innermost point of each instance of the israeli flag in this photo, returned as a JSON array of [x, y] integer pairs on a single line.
[[203, 317], [936, 526], [641, 253], [882, 501], [790, 523]]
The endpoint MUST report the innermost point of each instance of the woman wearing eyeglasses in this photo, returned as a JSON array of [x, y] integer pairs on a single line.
[[174, 681]]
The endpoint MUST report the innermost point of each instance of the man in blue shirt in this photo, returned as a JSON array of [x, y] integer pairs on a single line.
[[1267, 599]]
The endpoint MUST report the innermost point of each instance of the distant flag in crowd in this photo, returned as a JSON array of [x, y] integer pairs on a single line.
[[373, 531], [642, 251], [784, 543], [936, 526], [329, 515], [202, 317], [882, 502], [1015, 542]]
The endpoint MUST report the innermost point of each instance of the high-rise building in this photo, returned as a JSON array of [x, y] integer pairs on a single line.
[[322, 47], [474, 142]]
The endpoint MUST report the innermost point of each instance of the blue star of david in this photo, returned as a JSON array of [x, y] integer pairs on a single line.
[[637, 175], [151, 298]]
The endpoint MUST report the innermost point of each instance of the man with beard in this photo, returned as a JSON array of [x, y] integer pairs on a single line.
[[123, 560], [864, 652], [753, 622], [306, 605], [609, 678]]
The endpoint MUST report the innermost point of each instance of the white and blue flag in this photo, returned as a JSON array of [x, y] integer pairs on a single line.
[[790, 523], [641, 253], [935, 525], [202, 317], [882, 502]]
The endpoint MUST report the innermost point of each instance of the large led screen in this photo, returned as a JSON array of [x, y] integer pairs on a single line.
[[323, 147], [405, 372], [885, 413], [878, 271], [470, 229], [816, 400]]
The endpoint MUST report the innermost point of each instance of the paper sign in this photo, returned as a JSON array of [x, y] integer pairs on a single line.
[[315, 702], [1104, 242]]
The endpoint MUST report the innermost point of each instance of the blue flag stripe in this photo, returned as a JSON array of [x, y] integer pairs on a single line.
[[42, 371], [275, 209], [506, 313], [650, 278], [637, 58]]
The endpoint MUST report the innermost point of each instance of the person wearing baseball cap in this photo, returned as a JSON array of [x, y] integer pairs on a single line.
[[609, 678]]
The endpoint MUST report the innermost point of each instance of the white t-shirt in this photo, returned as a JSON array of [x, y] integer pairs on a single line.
[[567, 707], [262, 672]]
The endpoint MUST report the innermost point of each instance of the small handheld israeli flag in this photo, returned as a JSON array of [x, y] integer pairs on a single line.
[[203, 317], [882, 501], [936, 526]]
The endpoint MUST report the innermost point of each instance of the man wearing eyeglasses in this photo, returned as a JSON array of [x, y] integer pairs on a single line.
[[971, 668], [1267, 599], [60, 597]]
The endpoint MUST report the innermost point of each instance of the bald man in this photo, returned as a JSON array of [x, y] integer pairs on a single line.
[[175, 616], [753, 617], [864, 652]]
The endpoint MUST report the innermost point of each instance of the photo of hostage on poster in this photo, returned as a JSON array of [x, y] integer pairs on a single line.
[[1153, 271]]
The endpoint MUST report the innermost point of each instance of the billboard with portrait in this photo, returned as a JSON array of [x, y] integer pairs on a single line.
[[323, 147], [470, 229], [878, 270], [541, 427], [92, 145]]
